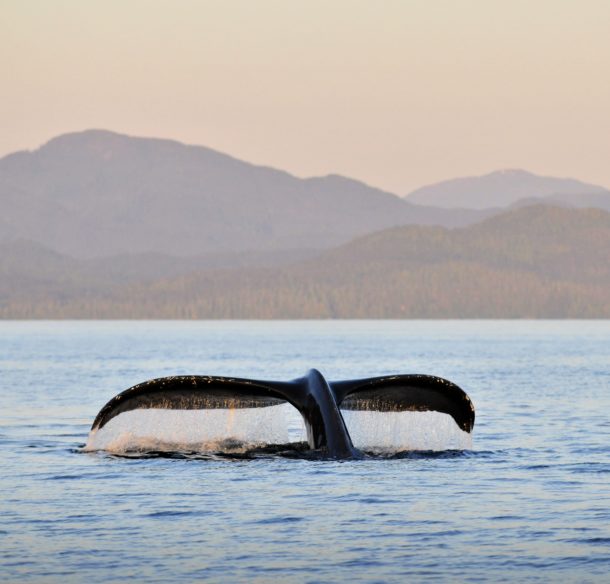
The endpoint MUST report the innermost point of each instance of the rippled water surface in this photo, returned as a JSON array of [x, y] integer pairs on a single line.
[[529, 502]]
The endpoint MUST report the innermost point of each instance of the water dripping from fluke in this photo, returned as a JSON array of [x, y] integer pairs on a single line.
[[310, 417]]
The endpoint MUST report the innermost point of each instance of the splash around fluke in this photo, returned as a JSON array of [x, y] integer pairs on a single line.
[[319, 401]]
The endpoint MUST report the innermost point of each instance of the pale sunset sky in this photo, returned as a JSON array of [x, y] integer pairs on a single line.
[[395, 93]]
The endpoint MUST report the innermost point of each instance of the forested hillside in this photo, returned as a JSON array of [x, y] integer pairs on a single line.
[[533, 262]]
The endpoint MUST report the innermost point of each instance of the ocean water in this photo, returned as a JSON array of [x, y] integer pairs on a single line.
[[527, 501]]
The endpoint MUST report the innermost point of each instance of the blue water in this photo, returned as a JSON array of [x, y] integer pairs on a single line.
[[530, 502]]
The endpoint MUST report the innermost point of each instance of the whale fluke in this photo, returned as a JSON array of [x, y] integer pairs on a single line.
[[399, 393], [193, 392], [318, 401]]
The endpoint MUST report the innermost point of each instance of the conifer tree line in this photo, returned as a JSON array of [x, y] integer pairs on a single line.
[[538, 262]]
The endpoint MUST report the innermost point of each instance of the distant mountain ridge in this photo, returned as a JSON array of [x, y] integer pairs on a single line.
[[599, 200], [531, 262], [97, 193], [503, 188]]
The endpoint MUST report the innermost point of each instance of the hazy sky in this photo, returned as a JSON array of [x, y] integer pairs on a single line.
[[396, 93]]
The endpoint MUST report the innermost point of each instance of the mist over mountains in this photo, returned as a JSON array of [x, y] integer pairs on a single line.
[[101, 225], [98, 193], [533, 262]]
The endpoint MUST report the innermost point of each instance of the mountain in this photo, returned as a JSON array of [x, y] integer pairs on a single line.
[[501, 189], [591, 200], [97, 193], [28, 269], [531, 262]]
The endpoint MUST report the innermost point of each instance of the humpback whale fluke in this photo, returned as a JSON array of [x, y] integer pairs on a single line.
[[318, 401]]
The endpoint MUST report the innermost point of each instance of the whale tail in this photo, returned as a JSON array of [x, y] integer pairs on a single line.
[[318, 401]]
